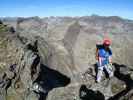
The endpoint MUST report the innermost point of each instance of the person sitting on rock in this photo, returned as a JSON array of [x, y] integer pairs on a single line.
[[104, 58]]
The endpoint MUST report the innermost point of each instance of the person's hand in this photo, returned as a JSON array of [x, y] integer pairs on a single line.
[[110, 64]]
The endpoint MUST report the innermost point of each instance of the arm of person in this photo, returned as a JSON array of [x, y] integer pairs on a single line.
[[110, 56], [110, 59]]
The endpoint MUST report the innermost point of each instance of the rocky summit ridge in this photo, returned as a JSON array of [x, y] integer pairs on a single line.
[[53, 58]]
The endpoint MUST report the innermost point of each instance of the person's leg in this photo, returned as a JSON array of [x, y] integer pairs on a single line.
[[99, 74], [109, 69]]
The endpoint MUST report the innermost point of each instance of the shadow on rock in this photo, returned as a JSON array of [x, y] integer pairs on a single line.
[[123, 77], [33, 47], [88, 94], [49, 79]]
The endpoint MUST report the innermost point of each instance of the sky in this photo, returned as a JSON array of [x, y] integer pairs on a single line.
[[44, 8]]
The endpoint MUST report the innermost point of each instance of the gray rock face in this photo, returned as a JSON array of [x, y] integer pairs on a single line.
[[51, 58]]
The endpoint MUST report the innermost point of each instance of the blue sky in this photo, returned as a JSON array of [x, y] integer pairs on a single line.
[[42, 8]]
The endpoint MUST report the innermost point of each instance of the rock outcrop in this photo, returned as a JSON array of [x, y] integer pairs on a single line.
[[54, 58]]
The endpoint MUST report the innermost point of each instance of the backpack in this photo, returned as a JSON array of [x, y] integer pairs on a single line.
[[98, 46]]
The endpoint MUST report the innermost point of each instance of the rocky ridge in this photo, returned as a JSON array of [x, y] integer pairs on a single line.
[[51, 58]]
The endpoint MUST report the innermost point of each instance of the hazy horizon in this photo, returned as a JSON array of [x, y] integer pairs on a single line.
[[69, 8]]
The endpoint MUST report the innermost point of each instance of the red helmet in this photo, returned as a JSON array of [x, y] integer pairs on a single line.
[[106, 42]]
